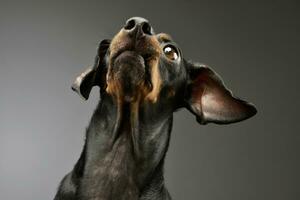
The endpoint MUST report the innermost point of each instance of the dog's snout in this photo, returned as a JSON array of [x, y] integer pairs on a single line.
[[138, 26]]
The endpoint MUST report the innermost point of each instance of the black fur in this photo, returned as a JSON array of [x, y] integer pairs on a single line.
[[129, 166]]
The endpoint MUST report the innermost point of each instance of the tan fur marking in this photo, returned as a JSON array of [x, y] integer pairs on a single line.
[[164, 37], [156, 81], [171, 92], [117, 41], [155, 74]]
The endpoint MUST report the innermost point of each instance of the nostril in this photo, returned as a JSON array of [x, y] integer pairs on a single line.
[[146, 28], [129, 25]]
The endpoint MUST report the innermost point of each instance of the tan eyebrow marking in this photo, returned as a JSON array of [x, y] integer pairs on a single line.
[[164, 37]]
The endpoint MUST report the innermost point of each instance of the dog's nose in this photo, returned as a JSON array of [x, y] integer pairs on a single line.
[[138, 26]]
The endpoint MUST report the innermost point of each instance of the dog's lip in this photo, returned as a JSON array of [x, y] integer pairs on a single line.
[[145, 55], [128, 54]]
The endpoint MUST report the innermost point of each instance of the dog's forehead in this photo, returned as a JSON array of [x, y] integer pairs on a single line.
[[164, 37]]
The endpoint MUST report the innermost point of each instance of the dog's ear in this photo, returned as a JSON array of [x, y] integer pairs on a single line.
[[208, 98], [92, 76]]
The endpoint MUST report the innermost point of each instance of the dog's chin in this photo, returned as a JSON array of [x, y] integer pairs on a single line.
[[129, 73]]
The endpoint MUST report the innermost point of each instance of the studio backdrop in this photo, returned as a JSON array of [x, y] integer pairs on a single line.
[[254, 46]]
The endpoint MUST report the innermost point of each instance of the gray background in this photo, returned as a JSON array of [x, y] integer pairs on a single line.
[[253, 46]]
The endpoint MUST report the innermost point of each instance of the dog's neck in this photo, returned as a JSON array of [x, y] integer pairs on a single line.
[[125, 150]]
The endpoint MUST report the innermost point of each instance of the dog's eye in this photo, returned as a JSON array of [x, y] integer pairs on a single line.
[[171, 52]]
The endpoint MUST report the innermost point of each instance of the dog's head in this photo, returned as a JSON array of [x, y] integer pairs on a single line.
[[138, 65]]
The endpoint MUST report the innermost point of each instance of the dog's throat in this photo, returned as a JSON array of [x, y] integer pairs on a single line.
[[127, 124], [121, 158]]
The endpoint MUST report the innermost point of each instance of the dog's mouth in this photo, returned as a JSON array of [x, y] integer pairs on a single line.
[[129, 76], [133, 69]]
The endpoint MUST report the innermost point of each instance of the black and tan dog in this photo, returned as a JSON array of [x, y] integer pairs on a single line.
[[143, 79]]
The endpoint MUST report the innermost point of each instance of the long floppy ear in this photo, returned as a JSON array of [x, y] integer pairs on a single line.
[[91, 76], [208, 98]]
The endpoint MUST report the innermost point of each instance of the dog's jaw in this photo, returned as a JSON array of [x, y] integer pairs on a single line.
[[147, 52]]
